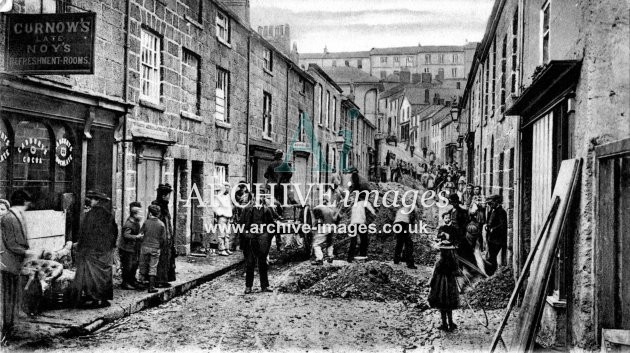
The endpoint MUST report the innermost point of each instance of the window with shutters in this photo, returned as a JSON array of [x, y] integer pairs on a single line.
[[455, 58], [441, 58], [267, 117], [223, 27], [222, 96], [150, 56]]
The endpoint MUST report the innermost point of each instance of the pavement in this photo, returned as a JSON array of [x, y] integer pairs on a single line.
[[190, 272]]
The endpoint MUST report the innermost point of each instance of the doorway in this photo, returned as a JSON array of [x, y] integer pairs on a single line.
[[612, 243]]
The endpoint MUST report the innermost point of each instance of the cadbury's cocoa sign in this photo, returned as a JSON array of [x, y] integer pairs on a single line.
[[50, 43]]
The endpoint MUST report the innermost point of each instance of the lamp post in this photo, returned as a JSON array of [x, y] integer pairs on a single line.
[[454, 114]]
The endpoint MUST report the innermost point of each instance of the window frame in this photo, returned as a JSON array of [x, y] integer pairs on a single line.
[[268, 59], [154, 84], [225, 173], [186, 52], [223, 25], [226, 104], [545, 33], [267, 121]]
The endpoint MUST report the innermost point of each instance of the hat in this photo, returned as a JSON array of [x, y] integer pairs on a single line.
[[92, 194], [278, 152], [165, 187], [454, 198], [496, 198], [445, 245]]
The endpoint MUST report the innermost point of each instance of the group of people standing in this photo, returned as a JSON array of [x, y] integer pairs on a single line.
[[148, 247], [460, 243]]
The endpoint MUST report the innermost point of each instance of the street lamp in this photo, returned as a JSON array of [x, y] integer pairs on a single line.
[[454, 114]]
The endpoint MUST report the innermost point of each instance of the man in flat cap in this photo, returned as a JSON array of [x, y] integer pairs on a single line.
[[166, 264], [96, 241]]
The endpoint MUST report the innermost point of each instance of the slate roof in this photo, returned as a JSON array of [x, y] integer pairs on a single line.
[[345, 74], [336, 55]]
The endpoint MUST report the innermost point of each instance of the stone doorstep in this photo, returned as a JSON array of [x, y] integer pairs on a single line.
[[87, 324]]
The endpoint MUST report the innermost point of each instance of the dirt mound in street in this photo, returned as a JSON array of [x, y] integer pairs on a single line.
[[493, 292], [306, 279], [372, 280]]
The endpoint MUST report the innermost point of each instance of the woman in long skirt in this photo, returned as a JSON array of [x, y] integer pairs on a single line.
[[444, 294]]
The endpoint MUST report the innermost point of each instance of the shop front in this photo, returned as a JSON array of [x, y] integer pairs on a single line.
[[56, 144]]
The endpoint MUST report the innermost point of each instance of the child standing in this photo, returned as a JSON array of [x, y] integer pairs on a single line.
[[444, 294], [154, 237]]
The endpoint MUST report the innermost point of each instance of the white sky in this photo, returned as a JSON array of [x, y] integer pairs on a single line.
[[350, 25]]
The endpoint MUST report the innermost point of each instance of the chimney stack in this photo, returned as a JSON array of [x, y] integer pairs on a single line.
[[239, 7], [405, 77], [426, 77]]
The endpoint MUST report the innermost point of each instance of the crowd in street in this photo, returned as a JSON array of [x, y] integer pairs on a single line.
[[472, 225]]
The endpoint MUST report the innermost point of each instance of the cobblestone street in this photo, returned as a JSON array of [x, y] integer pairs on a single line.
[[218, 316]]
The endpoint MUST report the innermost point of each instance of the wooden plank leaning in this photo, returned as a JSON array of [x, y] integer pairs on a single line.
[[521, 279], [533, 298]]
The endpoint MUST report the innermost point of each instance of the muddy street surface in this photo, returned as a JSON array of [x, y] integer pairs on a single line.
[[217, 316]]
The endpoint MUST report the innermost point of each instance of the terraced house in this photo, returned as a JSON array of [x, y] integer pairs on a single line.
[[182, 92]]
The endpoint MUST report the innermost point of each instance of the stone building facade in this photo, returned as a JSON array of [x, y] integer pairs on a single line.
[[448, 63], [552, 84], [57, 131], [184, 92]]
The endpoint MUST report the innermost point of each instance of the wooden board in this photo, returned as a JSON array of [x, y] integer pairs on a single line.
[[46, 229], [533, 299]]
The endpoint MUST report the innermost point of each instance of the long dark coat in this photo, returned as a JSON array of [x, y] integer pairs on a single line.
[[166, 264], [95, 246]]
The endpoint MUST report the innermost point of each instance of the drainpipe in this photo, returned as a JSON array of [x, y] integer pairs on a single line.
[[123, 200], [249, 72], [286, 133], [517, 241]]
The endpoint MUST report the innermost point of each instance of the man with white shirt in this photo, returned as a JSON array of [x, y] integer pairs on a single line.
[[223, 214], [359, 219]]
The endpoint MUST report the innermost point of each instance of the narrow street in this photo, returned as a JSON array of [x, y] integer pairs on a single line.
[[218, 316]]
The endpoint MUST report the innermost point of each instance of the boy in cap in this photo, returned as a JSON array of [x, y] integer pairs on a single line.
[[154, 232], [129, 246]]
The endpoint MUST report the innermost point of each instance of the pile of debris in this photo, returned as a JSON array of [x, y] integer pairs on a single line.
[[493, 292], [372, 280], [300, 281]]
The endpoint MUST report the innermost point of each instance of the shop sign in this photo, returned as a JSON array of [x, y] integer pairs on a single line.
[[34, 149], [50, 43], [63, 155], [4, 146]]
